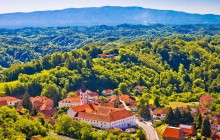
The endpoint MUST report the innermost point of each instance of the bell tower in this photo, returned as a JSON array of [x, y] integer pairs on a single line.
[[83, 94]]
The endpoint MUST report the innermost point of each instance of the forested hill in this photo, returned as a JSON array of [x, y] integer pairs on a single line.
[[165, 67], [26, 44], [104, 15]]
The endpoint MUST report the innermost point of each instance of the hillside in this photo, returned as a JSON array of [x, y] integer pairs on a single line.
[[103, 15], [26, 44], [177, 69]]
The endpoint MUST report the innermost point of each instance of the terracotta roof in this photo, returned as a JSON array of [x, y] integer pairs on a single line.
[[9, 98], [108, 91], [206, 99], [189, 129], [47, 113], [70, 100], [90, 93], [160, 111], [80, 108], [204, 110], [41, 99], [138, 87], [216, 122], [45, 107], [217, 135], [111, 117], [126, 98], [3, 103], [173, 132], [102, 55], [151, 107]]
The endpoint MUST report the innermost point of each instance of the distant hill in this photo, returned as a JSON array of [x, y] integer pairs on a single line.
[[104, 15]]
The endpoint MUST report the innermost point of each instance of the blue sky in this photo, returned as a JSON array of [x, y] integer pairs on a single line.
[[191, 6]]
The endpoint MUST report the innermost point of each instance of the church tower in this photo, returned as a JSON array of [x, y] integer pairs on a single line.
[[83, 94]]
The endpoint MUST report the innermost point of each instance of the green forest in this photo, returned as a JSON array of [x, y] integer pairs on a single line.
[[26, 44], [177, 67], [171, 63]]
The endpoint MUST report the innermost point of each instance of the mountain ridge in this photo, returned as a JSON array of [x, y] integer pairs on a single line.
[[107, 15]]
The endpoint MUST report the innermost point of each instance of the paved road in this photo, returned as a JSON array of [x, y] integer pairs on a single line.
[[151, 133]]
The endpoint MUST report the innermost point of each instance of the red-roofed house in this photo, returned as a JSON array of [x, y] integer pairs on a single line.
[[39, 101], [189, 130], [67, 102], [138, 88], [215, 124], [107, 92], [159, 113], [44, 106], [134, 107], [10, 101], [206, 100], [173, 133]]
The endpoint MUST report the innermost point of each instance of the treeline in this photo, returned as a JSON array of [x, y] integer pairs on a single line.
[[166, 67], [26, 44]]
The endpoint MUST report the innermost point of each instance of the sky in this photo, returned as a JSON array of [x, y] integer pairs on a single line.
[[190, 6]]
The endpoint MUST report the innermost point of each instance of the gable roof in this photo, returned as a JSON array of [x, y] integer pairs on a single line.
[[187, 128], [138, 87], [160, 111], [3, 103], [80, 108], [9, 98], [216, 122], [173, 132], [111, 117], [70, 100]]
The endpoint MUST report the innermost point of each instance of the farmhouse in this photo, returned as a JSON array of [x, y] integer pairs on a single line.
[[159, 113], [173, 133], [8, 100]]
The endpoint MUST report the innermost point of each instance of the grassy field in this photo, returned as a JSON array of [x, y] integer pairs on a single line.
[[160, 130], [174, 105]]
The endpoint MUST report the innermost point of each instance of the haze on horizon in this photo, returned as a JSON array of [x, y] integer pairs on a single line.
[[189, 6]]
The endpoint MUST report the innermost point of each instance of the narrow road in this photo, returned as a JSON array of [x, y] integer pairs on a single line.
[[147, 126]]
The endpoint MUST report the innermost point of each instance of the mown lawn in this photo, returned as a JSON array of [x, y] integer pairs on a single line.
[[174, 105]]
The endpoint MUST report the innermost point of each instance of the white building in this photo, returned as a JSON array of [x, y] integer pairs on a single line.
[[159, 114], [10, 100], [216, 125], [103, 117], [107, 92], [67, 102], [81, 98]]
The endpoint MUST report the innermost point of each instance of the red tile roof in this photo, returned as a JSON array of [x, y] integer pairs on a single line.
[[151, 107], [126, 98], [174, 132], [189, 129], [70, 100], [9, 98], [160, 111], [138, 87], [206, 99], [3, 103], [216, 122], [111, 117], [108, 91], [80, 108]]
